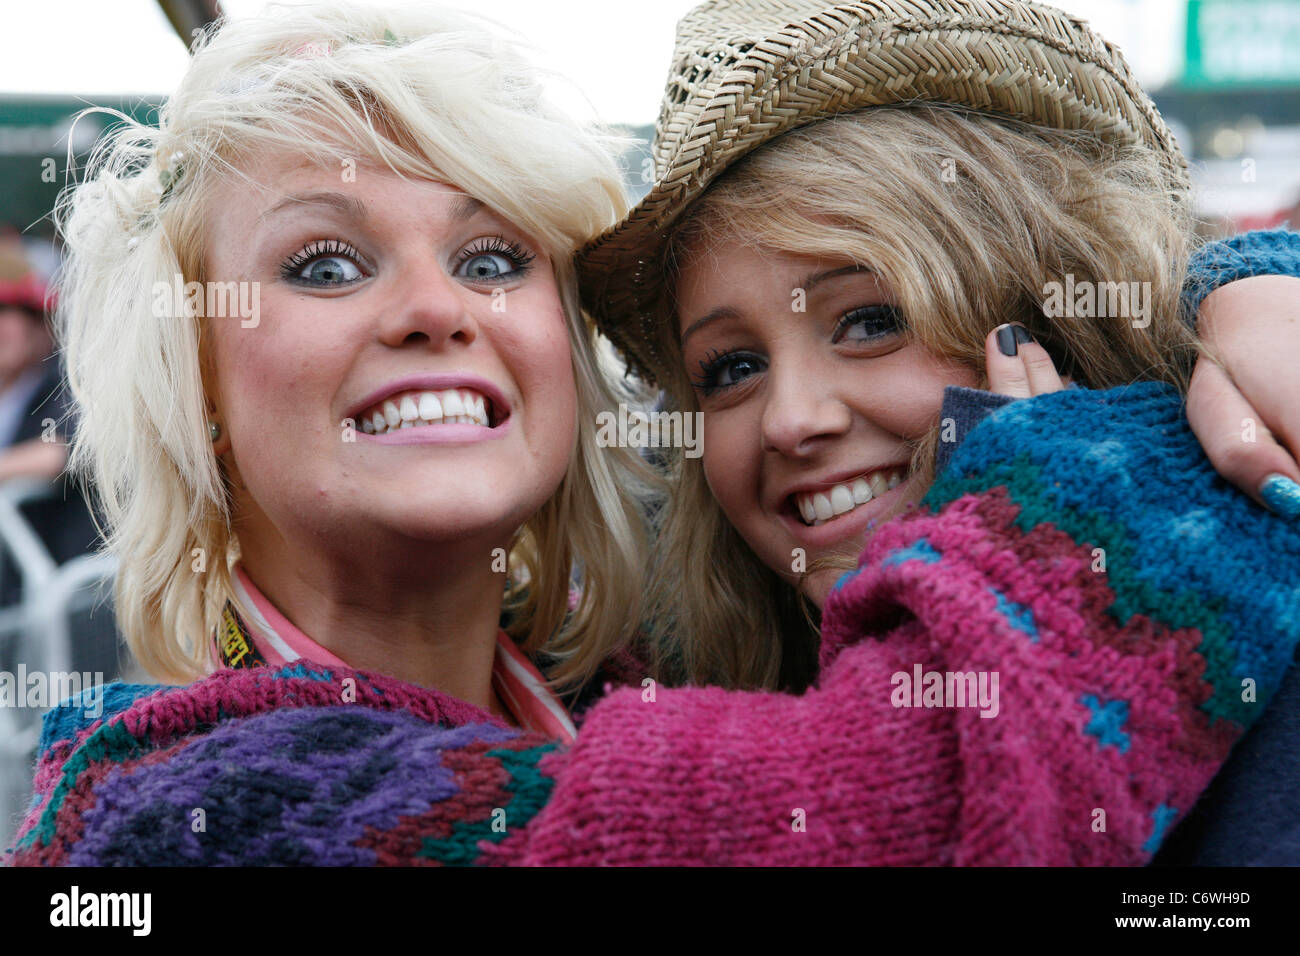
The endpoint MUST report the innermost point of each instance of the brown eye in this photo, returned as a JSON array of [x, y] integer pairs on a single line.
[[869, 325], [719, 372]]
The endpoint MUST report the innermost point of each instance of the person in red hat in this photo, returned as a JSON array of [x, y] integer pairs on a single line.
[[25, 345], [33, 414]]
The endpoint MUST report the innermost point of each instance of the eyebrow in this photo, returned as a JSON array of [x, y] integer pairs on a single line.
[[348, 205], [809, 283], [464, 207]]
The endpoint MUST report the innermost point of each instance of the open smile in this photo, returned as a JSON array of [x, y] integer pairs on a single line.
[[815, 508], [422, 408]]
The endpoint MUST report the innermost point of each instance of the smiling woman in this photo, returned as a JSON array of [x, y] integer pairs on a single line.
[[816, 387], [401, 414], [408, 301]]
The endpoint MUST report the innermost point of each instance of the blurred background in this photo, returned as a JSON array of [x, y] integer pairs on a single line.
[[1225, 74]]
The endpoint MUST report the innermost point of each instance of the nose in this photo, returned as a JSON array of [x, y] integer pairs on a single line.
[[802, 412], [427, 305]]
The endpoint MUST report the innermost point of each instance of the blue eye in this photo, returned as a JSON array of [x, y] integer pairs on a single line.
[[331, 270], [869, 325], [493, 258], [720, 371], [487, 267], [331, 263]]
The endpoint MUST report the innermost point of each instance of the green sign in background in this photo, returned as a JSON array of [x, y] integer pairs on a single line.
[[34, 135], [1242, 43]]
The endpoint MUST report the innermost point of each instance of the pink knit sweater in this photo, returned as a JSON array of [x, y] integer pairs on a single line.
[[1103, 572]]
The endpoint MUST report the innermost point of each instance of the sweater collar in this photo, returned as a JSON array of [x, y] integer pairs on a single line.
[[255, 633]]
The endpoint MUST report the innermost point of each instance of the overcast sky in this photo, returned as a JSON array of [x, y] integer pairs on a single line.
[[616, 52]]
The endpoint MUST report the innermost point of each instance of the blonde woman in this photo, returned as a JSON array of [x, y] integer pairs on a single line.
[[334, 385], [376, 726], [247, 442]]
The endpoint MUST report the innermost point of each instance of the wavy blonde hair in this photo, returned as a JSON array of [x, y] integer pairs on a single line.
[[429, 93], [966, 217]]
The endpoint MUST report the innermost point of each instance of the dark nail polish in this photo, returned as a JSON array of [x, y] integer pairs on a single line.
[[1011, 337]]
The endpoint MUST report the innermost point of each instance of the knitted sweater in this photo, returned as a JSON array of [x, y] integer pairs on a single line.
[[1260, 252], [1124, 614]]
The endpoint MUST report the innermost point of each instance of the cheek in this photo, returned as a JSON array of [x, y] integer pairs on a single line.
[[267, 378], [730, 460], [543, 368], [907, 397], [272, 386]]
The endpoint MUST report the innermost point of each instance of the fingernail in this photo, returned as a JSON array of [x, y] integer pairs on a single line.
[[1011, 337], [1282, 495]]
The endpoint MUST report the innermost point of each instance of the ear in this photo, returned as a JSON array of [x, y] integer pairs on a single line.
[[211, 406]]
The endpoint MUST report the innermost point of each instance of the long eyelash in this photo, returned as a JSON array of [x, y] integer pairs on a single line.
[[501, 246], [709, 371], [885, 313], [321, 247]]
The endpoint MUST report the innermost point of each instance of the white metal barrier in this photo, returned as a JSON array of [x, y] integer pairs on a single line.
[[36, 631]]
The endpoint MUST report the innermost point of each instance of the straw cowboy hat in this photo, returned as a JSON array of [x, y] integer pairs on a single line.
[[746, 71]]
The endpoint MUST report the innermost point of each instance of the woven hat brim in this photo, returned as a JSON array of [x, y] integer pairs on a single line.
[[1019, 60]]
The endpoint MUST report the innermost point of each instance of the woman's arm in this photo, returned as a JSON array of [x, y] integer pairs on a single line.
[[1245, 296], [1118, 614]]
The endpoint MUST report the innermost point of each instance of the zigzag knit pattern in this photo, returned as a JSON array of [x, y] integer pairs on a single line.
[[1136, 610], [296, 765]]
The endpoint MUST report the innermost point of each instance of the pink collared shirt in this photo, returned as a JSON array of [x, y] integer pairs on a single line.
[[274, 639]]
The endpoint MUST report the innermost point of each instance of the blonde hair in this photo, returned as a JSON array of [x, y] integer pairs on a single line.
[[967, 217], [429, 93]]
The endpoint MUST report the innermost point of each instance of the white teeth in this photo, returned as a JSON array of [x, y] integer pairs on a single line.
[[841, 499], [806, 509], [415, 409], [819, 507], [452, 405], [430, 407], [861, 492]]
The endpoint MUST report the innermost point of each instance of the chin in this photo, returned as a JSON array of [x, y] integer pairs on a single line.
[[452, 525], [438, 519]]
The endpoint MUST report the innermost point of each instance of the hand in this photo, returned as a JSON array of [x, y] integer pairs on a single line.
[[1246, 412], [1027, 371]]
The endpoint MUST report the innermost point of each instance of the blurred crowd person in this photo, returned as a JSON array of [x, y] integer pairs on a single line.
[[33, 417]]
